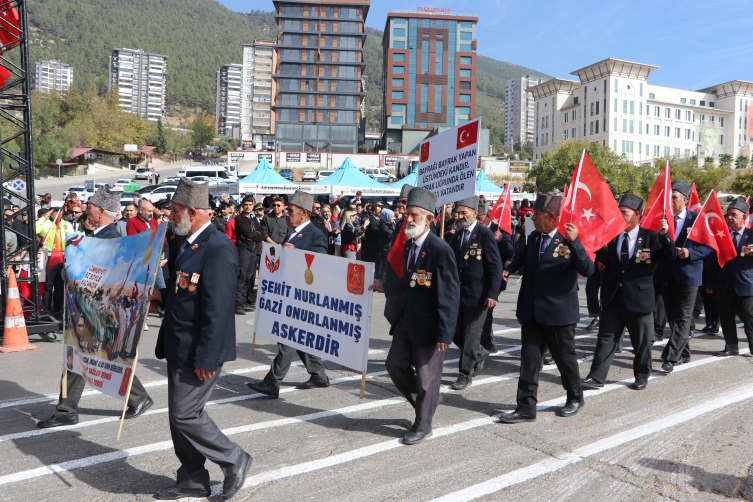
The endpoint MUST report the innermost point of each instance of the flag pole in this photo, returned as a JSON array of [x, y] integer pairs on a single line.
[[441, 232], [666, 188], [575, 188]]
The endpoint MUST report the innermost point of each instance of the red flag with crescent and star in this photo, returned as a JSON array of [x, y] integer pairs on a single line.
[[468, 134], [501, 213], [659, 205], [710, 228], [9, 27], [396, 256], [694, 202], [591, 207], [747, 215]]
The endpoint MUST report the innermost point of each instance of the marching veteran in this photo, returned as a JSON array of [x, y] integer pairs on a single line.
[[426, 315], [197, 336], [548, 307]]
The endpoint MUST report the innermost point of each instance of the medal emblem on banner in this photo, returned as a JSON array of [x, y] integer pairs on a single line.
[[272, 263], [356, 276], [309, 275]]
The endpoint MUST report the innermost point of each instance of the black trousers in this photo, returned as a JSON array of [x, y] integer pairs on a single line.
[[679, 301], [468, 337], [660, 313], [615, 317], [593, 283], [284, 358], [487, 335], [416, 371], [52, 298], [710, 307], [252, 282], [195, 436], [729, 305], [68, 407], [246, 269], [561, 342]]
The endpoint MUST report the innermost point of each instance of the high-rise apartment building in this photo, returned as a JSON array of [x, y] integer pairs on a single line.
[[227, 101], [519, 110], [258, 121], [429, 76], [139, 79], [613, 104], [53, 76], [318, 73]]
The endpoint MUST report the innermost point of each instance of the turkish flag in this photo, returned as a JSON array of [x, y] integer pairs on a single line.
[[659, 205], [501, 213], [591, 207], [396, 256], [694, 202], [710, 229], [9, 27], [4, 75], [564, 192], [747, 215], [468, 134]]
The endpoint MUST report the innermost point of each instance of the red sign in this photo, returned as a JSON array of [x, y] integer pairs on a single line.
[[356, 276], [124, 382], [467, 134], [433, 10], [424, 152]]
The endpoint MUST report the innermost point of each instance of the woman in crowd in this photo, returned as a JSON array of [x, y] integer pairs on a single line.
[[386, 229], [350, 234]]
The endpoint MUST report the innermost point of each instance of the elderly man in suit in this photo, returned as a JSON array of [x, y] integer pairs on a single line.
[[303, 235], [548, 307], [196, 337], [627, 293], [480, 274], [425, 316], [506, 250], [680, 279], [733, 284], [103, 207]]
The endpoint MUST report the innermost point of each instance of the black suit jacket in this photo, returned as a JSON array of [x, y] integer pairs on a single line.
[[635, 279], [311, 239], [247, 233], [737, 273], [108, 232], [432, 311], [687, 272], [199, 326], [506, 251], [549, 292], [370, 244], [479, 279]]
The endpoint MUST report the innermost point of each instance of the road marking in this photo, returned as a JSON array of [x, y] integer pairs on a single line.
[[561, 461]]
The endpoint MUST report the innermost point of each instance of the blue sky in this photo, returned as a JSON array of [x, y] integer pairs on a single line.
[[695, 44]]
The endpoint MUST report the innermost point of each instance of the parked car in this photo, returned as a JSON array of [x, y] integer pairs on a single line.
[[142, 173], [308, 175], [287, 174], [148, 188], [201, 179], [160, 193], [379, 174], [126, 186], [171, 181], [323, 174], [80, 192]]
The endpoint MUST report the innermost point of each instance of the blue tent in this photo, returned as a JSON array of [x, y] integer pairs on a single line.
[[265, 174], [485, 185], [411, 179], [348, 175]]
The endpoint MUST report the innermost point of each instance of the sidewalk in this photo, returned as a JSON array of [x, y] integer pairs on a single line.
[[104, 176]]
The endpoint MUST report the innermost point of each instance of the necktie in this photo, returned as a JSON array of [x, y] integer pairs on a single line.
[[290, 235], [466, 236], [736, 236], [413, 256], [625, 253], [544, 245], [181, 249]]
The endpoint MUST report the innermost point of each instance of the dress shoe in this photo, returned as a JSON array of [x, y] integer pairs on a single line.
[[659, 338], [479, 366], [638, 385], [234, 482], [247, 307], [56, 421], [618, 350], [682, 361], [727, 352], [239, 309], [516, 417], [139, 409], [265, 388], [590, 383], [594, 326], [571, 408], [668, 367], [461, 383], [178, 492], [494, 349], [712, 329], [415, 437], [314, 382], [548, 361]]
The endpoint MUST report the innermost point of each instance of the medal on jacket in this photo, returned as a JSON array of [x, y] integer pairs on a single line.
[[421, 277], [746, 250], [563, 251], [466, 256], [427, 282], [643, 255], [413, 280], [183, 280], [177, 279], [194, 282], [478, 254]]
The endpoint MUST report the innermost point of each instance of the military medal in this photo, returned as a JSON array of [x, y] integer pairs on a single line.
[[183, 280], [427, 283], [177, 278], [192, 288], [555, 254], [466, 256], [478, 254], [194, 282], [473, 252], [308, 275], [413, 280]]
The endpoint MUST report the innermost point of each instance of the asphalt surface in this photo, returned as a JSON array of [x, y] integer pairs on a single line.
[[688, 436]]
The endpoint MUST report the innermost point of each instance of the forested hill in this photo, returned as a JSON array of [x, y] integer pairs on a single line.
[[199, 36]]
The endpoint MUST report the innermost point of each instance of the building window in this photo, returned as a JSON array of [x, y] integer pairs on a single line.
[[640, 127], [682, 101], [466, 24], [615, 146], [624, 125], [396, 120], [440, 57], [424, 97], [572, 114], [398, 32], [592, 109], [692, 101], [398, 45], [687, 133], [466, 48], [656, 130], [687, 115], [703, 103], [666, 131], [624, 106], [464, 84], [667, 113], [465, 98], [465, 73], [565, 133], [438, 98], [466, 35], [574, 132], [631, 127], [398, 82], [615, 90], [721, 121], [397, 108], [465, 60], [677, 132], [398, 56], [591, 127], [566, 116], [399, 95], [597, 127], [651, 95], [615, 105], [464, 110], [615, 124], [657, 111], [632, 110], [721, 139], [398, 70]]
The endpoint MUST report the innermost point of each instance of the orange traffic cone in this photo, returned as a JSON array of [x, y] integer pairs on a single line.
[[15, 338]]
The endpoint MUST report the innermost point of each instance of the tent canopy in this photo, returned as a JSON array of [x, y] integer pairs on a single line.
[[484, 184], [265, 174], [350, 176]]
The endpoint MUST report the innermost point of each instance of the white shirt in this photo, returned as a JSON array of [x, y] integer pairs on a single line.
[[297, 230], [469, 229], [680, 222], [632, 238], [418, 241], [196, 233], [551, 236]]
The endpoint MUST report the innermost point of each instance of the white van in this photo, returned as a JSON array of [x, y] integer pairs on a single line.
[[214, 172], [379, 174]]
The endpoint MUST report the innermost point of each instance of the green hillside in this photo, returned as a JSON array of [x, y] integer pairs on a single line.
[[199, 36]]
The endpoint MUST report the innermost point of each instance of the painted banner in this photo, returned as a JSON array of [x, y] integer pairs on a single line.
[[317, 303], [447, 163], [107, 284]]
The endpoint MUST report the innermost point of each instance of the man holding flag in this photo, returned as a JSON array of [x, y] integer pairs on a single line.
[[680, 279]]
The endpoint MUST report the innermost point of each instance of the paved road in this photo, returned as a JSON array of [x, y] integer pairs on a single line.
[[687, 437]]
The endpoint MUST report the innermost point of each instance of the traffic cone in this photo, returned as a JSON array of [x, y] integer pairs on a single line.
[[15, 338]]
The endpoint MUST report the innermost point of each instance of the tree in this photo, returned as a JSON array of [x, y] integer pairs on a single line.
[[49, 140], [706, 178], [743, 182], [203, 131], [223, 146], [160, 141], [741, 162], [363, 149], [725, 160], [708, 162]]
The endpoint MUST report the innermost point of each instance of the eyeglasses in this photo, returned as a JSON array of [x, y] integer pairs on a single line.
[[277, 205], [317, 207], [78, 212]]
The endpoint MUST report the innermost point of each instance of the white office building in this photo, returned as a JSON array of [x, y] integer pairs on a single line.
[[613, 104], [258, 123], [228, 100], [519, 109], [53, 76], [139, 80]]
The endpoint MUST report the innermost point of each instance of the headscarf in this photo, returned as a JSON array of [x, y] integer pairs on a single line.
[[385, 215]]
